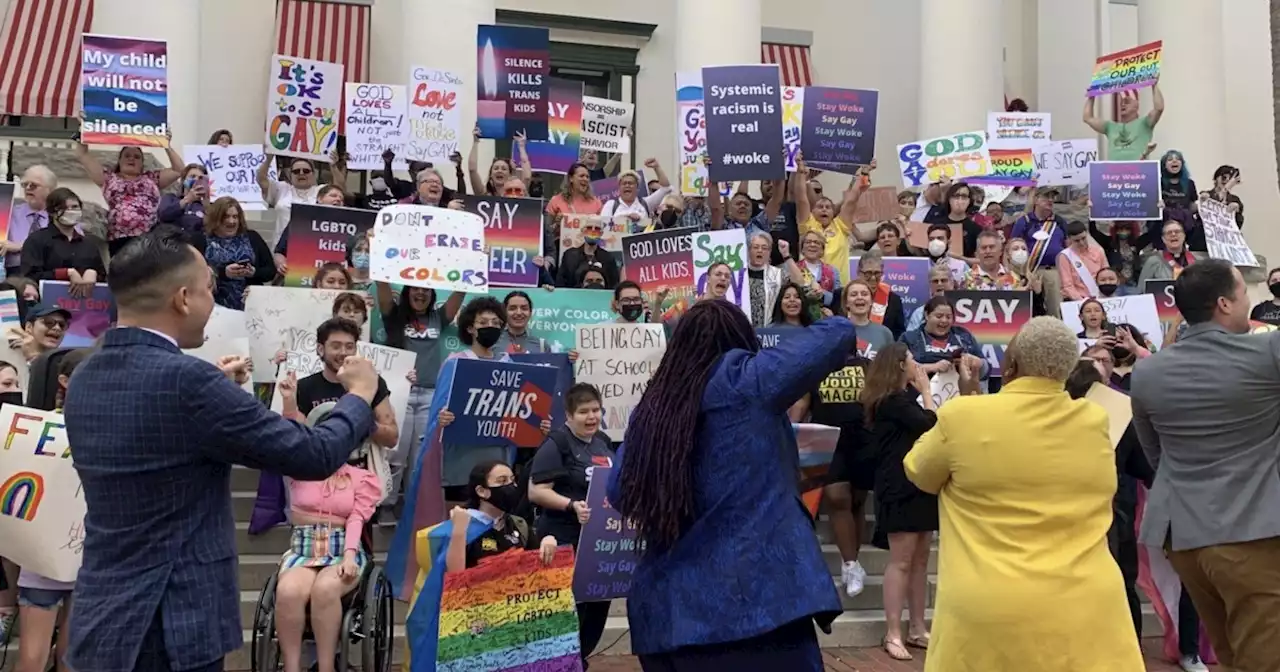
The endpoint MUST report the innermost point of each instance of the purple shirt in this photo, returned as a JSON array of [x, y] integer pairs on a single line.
[[1026, 228], [29, 579], [22, 221]]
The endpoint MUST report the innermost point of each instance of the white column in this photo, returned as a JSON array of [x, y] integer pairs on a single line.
[[963, 78], [703, 28], [1192, 80], [442, 34], [1068, 48]]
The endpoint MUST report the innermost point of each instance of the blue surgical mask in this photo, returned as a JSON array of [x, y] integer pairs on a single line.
[[360, 260]]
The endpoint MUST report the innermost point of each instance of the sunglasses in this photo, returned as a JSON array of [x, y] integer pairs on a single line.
[[513, 192], [53, 323], [301, 171], [30, 186]]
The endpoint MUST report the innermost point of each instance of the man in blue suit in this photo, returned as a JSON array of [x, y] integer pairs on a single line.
[[155, 434]]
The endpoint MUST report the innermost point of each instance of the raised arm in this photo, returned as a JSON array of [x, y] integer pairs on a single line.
[[173, 173], [1157, 105], [92, 167], [800, 192], [473, 164], [779, 376], [1090, 116], [522, 150], [655, 199], [264, 179]]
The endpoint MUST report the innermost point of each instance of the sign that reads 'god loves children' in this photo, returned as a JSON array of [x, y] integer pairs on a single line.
[[744, 122], [41, 503], [422, 246], [957, 156], [375, 116], [499, 403], [304, 98]]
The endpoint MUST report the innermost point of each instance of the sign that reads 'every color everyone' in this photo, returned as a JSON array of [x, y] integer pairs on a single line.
[[437, 248], [303, 101], [958, 156], [744, 122], [125, 85]]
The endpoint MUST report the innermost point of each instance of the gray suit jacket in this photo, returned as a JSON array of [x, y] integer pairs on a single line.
[[1207, 412]]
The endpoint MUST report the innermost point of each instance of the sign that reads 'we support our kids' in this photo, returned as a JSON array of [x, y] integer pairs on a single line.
[[232, 171], [376, 121], [619, 359], [839, 127], [499, 403], [959, 156], [993, 318], [304, 100], [436, 248], [513, 230], [564, 129], [41, 502], [318, 235], [125, 84], [514, 69], [1124, 190], [435, 120], [744, 122]]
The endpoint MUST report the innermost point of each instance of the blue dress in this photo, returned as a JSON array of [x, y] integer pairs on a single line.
[[749, 563]]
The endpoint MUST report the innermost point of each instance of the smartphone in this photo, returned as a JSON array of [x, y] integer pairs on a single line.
[[202, 181], [245, 262]]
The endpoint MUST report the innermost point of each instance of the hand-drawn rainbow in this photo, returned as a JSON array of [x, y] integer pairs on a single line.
[[20, 495]]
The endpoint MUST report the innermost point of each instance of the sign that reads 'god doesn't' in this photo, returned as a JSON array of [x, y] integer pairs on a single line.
[[422, 246], [957, 156]]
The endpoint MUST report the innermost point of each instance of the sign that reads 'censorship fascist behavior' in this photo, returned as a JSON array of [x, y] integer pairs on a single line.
[[744, 122], [605, 124]]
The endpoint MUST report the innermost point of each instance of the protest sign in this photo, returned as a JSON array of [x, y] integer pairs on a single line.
[[839, 128], [556, 315], [10, 319], [513, 230], [1138, 310], [1166, 306], [691, 134], [993, 318], [1221, 235], [7, 192], [564, 377], [376, 121], [1010, 168], [1018, 130], [619, 359], [499, 403], [878, 204], [91, 317], [607, 547], [792, 123], [1127, 70], [606, 125], [225, 335], [1118, 407], [233, 171], [959, 156], [1124, 190], [318, 234], [730, 247], [660, 260], [285, 318], [391, 364], [744, 122], [908, 277], [510, 613], [943, 387], [564, 129], [607, 189], [422, 246], [41, 502], [1064, 163], [816, 445], [304, 98], [435, 120], [772, 337], [514, 76], [125, 84]]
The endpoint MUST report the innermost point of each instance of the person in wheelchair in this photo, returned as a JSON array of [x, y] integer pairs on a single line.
[[492, 494]]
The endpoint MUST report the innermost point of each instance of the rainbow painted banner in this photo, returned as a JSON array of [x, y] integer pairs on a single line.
[[564, 129], [510, 613], [41, 505], [125, 85], [513, 231], [1127, 70], [993, 318], [1010, 168]]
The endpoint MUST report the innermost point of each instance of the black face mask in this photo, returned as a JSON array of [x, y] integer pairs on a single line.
[[11, 398], [487, 336], [669, 218], [1275, 289], [1107, 289], [593, 285], [633, 313], [505, 498]]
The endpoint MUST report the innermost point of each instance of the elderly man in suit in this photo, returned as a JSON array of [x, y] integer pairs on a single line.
[[1207, 411], [155, 434]]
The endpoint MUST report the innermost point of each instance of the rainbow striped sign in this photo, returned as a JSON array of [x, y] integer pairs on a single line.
[[1127, 70], [993, 318], [41, 506], [1010, 168], [510, 613]]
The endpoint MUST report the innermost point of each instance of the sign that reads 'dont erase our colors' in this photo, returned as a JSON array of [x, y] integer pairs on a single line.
[[422, 246], [744, 122], [126, 91], [958, 156]]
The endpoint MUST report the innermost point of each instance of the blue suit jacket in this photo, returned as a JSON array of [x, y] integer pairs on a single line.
[[749, 562], [154, 433]]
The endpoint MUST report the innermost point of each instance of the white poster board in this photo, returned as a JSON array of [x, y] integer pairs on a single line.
[[1138, 310], [392, 364], [1018, 130], [1118, 407], [375, 122], [606, 125], [943, 387], [304, 101], [286, 318], [619, 359], [225, 335], [1065, 163], [435, 115], [41, 504], [437, 248], [233, 171], [1222, 237]]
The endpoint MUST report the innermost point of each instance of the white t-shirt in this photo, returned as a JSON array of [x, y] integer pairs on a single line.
[[281, 195], [617, 207]]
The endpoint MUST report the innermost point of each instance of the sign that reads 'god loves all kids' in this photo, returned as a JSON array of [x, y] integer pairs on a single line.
[[959, 156], [41, 502], [564, 129], [513, 230], [435, 120], [993, 318], [232, 171], [376, 122], [514, 69], [126, 91], [437, 248], [1127, 70], [744, 122], [1124, 190], [499, 403], [304, 98], [839, 128], [318, 235], [660, 260]]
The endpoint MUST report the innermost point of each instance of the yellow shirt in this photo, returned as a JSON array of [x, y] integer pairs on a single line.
[[836, 252]]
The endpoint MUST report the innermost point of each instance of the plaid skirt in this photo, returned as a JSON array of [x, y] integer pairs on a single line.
[[318, 546]]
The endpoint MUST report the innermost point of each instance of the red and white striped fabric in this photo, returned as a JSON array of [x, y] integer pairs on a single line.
[[334, 32], [40, 64], [792, 60]]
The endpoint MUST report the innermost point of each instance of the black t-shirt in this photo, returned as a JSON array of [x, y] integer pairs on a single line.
[[1266, 312], [969, 229], [784, 227], [834, 402], [315, 389], [494, 542], [569, 473]]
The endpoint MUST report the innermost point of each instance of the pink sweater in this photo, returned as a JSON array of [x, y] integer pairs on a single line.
[[351, 493]]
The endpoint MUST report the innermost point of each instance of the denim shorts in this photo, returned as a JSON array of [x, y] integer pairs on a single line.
[[42, 598]]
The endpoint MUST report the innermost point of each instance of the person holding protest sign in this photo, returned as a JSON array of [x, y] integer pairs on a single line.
[[299, 187], [330, 194], [1078, 264], [46, 326], [492, 495], [1225, 179], [1128, 136], [500, 169], [821, 215], [941, 346]]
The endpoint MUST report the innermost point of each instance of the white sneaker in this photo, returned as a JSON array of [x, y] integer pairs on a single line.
[[853, 576], [1192, 663]]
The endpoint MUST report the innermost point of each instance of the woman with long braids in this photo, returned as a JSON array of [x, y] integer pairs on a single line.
[[731, 576]]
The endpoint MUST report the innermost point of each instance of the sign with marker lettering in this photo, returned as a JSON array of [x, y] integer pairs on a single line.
[[1138, 310], [1127, 70], [435, 120], [125, 84], [792, 124], [956, 156], [1064, 163], [619, 359], [91, 316], [304, 98], [1018, 130], [318, 235], [233, 171], [839, 127], [375, 122], [280, 319], [513, 230], [41, 503], [1222, 236], [422, 246], [1124, 190], [606, 125], [499, 403], [564, 129], [607, 547], [729, 247], [744, 122], [660, 260], [392, 364], [514, 69], [993, 318]]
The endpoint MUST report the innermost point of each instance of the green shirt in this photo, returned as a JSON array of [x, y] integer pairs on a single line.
[[1126, 141]]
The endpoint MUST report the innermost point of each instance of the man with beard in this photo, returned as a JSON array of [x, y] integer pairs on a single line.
[[335, 342], [1127, 139]]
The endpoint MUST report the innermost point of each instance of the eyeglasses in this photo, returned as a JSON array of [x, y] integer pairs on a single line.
[[301, 171], [513, 192], [592, 229], [631, 302], [31, 186]]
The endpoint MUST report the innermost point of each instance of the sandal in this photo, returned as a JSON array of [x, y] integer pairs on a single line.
[[895, 650], [918, 642]]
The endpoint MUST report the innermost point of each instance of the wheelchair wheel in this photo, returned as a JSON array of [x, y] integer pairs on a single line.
[[264, 652], [377, 623]]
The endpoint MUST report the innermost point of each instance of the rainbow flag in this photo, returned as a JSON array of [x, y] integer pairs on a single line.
[[564, 129], [1011, 168], [817, 446], [1127, 70]]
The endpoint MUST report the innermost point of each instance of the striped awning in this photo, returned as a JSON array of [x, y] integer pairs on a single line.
[[326, 30], [792, 60], [40, 61]]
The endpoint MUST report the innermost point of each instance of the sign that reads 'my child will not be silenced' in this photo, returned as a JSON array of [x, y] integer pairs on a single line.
[[126, 91], [744, 122]]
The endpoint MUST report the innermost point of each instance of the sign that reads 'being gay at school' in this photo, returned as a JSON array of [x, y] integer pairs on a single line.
[[125, 84], [500, 403], [437, 248]]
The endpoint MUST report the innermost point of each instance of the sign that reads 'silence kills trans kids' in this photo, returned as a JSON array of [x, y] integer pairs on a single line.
[[422, 246], [744, 122]]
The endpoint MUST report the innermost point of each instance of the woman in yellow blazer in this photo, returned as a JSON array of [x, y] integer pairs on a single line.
[[1025, 580]]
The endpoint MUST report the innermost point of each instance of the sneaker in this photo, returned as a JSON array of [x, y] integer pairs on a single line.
[[1192, 663], [853, 576], [8, 618]]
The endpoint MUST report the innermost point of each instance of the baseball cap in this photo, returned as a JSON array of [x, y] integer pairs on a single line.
[[43, 309]]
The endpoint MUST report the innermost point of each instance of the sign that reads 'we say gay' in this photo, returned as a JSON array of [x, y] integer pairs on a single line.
[[422, 246]]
